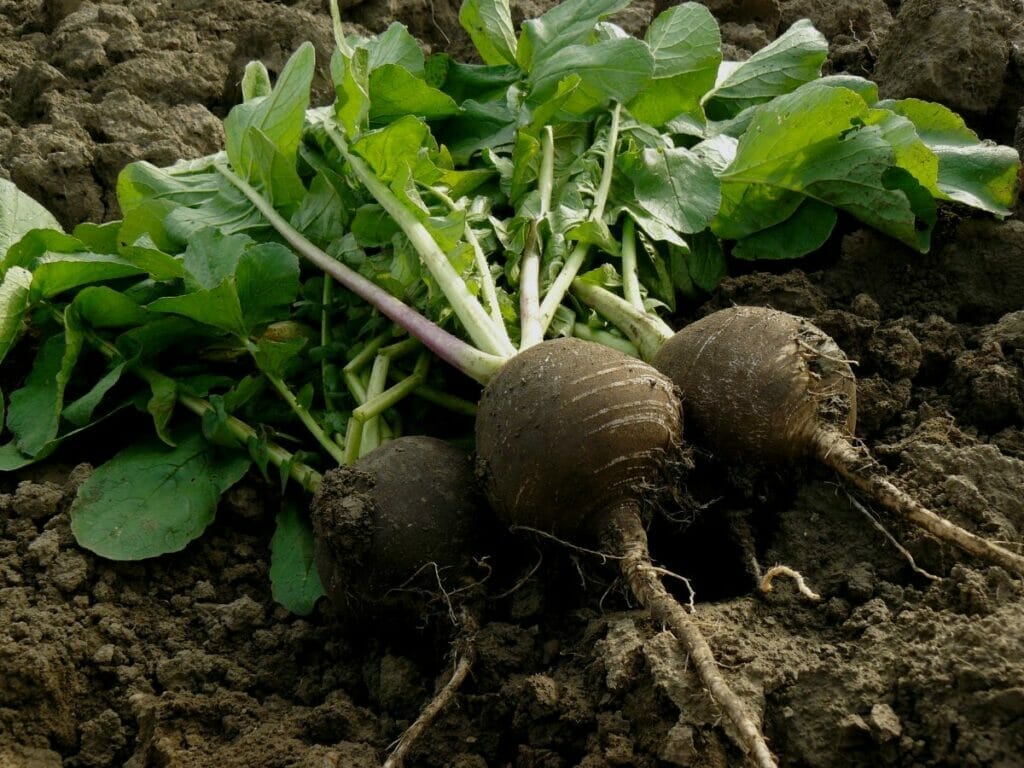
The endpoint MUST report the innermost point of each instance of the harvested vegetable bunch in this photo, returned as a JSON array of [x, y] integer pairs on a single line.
[[462, 201]]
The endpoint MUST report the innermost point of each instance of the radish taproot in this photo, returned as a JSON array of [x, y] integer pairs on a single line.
[[763, 385]]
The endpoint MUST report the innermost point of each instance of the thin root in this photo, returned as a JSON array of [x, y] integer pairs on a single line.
[[892, 540], [766, 585], [405, 742], [544, 534], [855, 465], [624, 533]]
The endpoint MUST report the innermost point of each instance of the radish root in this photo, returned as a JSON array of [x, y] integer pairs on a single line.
[[766, 584], [466, 646], [625, 535], [855, 465]]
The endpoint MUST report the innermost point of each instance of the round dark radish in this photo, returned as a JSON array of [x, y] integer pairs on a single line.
[[759, 384], [405, 515], [766, 386], [397, 531], [569, 431], [573, 439]]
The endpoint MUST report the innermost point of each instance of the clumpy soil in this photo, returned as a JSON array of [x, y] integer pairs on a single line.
[[913, 657]]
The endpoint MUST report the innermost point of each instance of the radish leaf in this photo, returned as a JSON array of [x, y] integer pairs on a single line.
[[20, 213], [566, 24], [14, 303], [793, 59], [489, 24], [814, 143], [294, 579], [149, 500], [687, 50]]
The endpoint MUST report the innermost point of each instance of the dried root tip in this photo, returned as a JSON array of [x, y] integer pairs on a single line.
[[766, 585], [624, 535], [855, 465], [467, 648]]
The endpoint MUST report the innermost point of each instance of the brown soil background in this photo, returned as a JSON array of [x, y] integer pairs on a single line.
[[186, 661]]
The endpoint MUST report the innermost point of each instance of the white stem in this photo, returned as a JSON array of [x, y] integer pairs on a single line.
[[471, 314], [560, 285], [630, 276]]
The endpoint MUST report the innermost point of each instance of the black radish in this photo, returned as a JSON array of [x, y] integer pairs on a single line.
[[406, 514], [760, 385]]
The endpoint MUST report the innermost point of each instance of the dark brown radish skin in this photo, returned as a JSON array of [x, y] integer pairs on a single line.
[[573, 439], [409, 505], [760, 385], [570, 430]]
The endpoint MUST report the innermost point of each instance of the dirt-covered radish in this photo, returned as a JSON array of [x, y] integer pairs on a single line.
[[404, 515], [575, 439], [767, 386], [398, 533]]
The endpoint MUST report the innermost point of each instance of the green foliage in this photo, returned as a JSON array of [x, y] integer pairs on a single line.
[[296, 583], [150, 499], [436, 180]]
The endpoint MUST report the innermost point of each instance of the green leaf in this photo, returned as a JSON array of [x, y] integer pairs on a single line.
[[687, 49], [12, 459], [212, 257], [279, 116], [19, 213], [675, 187], [395, 46], [802, 233], [389, 150], [706, 261], [102, 307], [980, 174], [267, 281], [489, 24], [34, 411], [150, 500], [793, 59], [395, 92], [323, 215], [160, 405], [464, 81], [272, 357], [815, 143], [218, 307], [80, 412], [612, 70], [351, 77], [14, 303], [169, 206], [59, 272], [274, 174], [566, 24], [294, 580], [255, 81]]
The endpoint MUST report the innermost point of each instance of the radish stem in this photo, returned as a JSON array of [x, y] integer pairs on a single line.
[[453, 350], [630, 277], [471, 314], [648, 331], [560, 285]]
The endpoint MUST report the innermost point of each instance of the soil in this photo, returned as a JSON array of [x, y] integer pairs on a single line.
[[913, 657]]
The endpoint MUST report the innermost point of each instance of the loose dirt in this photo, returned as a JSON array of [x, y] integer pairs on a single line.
[[912, 658]]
